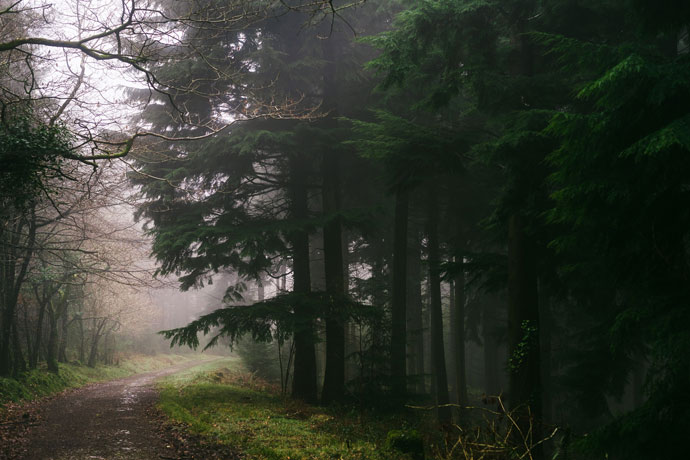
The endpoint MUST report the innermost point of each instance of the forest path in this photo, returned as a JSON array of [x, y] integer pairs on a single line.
[[108, 421]]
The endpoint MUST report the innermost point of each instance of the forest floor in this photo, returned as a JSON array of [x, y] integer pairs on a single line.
[[199, 410], [227, 406], [110, 420]]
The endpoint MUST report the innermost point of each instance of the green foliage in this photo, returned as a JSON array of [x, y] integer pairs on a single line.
[[522, 350], [621, 200], [30, 154], [272, 319], [261, 359], [412, 152]]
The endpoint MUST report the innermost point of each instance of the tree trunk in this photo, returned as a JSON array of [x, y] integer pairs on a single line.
[[33, 358], [96, 338], [19, 362], [458, 337], [438, 358], [62, 347], [523, 323], [416, 313], [304, 374], [51, 357], [545, 358], [492, 362], [334, 376], [399, 308], [12, 283], [27, 336], [82, 351]]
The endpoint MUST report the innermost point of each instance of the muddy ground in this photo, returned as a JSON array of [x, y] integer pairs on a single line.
[[107, 421]]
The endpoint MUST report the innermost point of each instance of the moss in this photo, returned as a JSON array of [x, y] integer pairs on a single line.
[[226, 407]]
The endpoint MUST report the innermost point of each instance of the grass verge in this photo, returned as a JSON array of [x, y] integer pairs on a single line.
[[220, 401], [39, 382]]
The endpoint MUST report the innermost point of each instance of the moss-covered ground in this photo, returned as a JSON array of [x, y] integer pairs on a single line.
[[223, 403]]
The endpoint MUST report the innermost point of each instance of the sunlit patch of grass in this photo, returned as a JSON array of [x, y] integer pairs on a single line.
[[231, 408]]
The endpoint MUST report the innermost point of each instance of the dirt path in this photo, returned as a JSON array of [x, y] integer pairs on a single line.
[[111, 420]]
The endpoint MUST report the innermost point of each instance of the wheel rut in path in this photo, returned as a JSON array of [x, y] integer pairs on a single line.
[[103, 421]]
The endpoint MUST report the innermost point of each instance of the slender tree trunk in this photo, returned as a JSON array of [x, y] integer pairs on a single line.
[[51, 357], [492, 361], [82, 338], [33, 359], [399, 310], [334, 376], [416, 312], [523, 323], [19, 362], [27, 337], [458, 337], [96, 338], [62, 347], [438, 358], [304, 375], [12, 283], [545, 358]]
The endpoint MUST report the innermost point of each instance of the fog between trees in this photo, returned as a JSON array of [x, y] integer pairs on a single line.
[[433, 202]]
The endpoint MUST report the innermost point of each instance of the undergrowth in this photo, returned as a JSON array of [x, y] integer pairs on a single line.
[[224, 403], [232, 407]]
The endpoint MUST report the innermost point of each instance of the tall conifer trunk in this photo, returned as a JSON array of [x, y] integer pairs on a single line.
[[492, 362], [523, 292], [334, 378], [523, 319], [304, 374], [440, 377], [399, 314], [415, 312], [334, 374], [458, 337]]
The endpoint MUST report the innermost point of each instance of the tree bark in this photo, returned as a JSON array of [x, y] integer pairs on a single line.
[[438, 358], [399, 308], [51, 357], [62, 347], [82, 351], [334, 376], [12, 283], [545, 323], [492, 363], [33, 358], [523, 320], [96, 338], [304, 374], [458, 337], [416, 313], [19, 362]]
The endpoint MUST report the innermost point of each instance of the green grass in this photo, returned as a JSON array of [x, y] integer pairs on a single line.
[[222, 402], [39, 382]]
